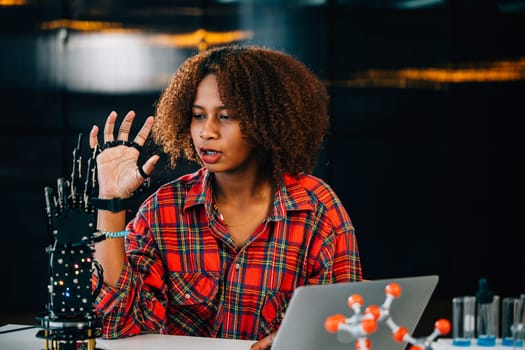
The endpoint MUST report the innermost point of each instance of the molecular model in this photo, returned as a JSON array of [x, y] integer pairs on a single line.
[[359, 326]]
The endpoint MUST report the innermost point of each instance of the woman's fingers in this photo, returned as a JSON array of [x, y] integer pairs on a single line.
[[125, 126], [109, 127], [150, 164], [143, 134], [93, 139], [123, 133], [264, 344], [144, 171]]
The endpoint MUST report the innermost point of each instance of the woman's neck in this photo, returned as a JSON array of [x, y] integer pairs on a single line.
[[242, 204], [241, 190]]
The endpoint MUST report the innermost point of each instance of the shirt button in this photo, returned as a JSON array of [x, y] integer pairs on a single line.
[[187, 296], [237, 266]]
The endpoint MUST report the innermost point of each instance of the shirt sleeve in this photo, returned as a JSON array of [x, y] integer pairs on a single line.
[[139, 300], [338, 258]]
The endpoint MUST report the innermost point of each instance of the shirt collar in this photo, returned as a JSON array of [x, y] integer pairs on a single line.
[[290, 196], [200, 190]]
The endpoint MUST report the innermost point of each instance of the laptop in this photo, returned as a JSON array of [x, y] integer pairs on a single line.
[[303, 323]]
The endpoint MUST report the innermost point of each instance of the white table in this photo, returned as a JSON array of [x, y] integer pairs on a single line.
[[26, 340], [446, 344]]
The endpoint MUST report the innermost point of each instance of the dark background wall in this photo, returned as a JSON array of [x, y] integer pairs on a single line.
[[425, 150]]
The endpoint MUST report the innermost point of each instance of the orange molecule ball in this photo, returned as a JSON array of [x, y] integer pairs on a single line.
[[374, 310], [369, 325], [443, 326], [355, 299], [368, 344], [415, 347], [393, 289], [331, 324], [399, 334]]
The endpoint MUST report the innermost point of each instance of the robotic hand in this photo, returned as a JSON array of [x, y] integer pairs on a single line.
[[70, 316]]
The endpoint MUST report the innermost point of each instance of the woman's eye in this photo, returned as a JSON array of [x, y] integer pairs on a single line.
[[226, 117], [198, 116]]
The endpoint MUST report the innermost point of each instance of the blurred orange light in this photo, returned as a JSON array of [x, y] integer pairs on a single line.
[[13, 2], [439, 78], [201, 38], [83, 26]]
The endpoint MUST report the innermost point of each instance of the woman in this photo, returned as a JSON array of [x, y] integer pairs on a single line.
[[219, 252]]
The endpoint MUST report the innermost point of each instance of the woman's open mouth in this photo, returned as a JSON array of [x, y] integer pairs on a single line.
[[210, 156]]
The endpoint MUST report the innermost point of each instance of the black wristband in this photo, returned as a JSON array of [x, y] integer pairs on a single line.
[[142, 173], [114, 204]]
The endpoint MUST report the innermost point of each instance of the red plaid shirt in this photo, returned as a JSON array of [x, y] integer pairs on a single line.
[[184, 276]]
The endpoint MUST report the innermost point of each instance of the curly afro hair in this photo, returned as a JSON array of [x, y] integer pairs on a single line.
[[282, 106]]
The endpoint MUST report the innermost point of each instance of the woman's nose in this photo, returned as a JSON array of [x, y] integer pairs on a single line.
[[209, 129]]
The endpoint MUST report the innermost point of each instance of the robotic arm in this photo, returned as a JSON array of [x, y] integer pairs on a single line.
[[70, 321]]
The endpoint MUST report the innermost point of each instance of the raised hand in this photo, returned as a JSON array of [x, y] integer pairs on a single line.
[[118, 173]]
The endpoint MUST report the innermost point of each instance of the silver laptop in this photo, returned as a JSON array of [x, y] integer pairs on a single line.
[[303, 324]]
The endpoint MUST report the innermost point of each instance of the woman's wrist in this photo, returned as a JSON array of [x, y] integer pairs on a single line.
[[114, 205], [111, 222], [106, 191], [113, 194]]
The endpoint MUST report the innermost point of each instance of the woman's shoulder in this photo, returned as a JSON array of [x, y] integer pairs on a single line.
[[180, 185], [313, 185], [322, 197], [189, 179]]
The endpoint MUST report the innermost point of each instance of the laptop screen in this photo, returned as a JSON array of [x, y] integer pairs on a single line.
[[303, 324]]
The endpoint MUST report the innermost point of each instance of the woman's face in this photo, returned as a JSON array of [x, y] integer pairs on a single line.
[[216, 132]]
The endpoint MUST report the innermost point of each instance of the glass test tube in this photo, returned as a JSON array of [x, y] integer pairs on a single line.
[[486, 333], [496, 312], [463, 320], [486, 315], [510, 320]]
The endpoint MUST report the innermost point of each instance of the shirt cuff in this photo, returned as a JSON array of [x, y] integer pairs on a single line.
[[109, 297]]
